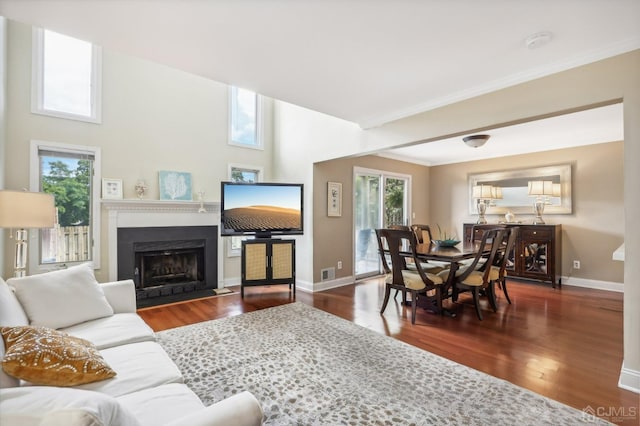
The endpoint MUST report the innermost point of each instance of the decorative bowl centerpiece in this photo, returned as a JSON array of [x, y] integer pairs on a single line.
[[445, 243], [446, 239]]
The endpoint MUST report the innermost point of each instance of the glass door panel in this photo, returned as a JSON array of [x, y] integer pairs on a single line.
[[395, 201], [367, 217], [381, 200]]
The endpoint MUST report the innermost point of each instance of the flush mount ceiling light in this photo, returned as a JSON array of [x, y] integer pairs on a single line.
[[538, 39], [475, 141]]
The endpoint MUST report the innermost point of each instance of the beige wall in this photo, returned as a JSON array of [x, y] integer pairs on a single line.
[[590, 234], [3, 120], [605, 81], [333, 239], [440, 196], [154, 118]]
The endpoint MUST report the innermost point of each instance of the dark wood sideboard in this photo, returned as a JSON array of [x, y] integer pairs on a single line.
[[537, 254]]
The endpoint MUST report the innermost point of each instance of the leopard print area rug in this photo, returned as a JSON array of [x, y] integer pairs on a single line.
[[308, 367]]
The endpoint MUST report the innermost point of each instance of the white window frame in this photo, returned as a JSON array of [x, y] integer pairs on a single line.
[[259, 121], [34, 184], [231, 251], [37, 82]]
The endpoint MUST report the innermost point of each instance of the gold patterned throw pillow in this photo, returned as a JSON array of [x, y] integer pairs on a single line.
[[44, 356]]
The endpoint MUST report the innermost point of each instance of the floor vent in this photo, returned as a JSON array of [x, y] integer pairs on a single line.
[[327, 274]]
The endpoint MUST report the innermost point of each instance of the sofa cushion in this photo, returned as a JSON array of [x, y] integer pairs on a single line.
[[139, 365], [11, 312], [45, 356], [118, 329], [62, 298], [46, 405], [161, 404], [6, 381]]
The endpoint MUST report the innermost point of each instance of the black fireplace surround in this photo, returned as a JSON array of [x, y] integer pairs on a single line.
[[169, 264]]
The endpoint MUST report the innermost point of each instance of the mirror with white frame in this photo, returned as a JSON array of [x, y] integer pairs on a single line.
[[514, 185]]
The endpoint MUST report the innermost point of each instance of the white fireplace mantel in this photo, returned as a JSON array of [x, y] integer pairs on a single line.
[[144, 213]]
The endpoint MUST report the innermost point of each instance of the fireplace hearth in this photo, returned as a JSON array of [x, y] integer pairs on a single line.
[[168, 264]]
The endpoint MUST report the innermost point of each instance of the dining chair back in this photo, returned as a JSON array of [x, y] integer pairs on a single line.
[[424, 236], [469, 278], [478, 230], [423, 233], [400, 246], [503, 258]]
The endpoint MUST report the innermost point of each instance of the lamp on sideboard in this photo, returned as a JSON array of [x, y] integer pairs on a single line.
[[21, 210], [540, 189], [483, 194]]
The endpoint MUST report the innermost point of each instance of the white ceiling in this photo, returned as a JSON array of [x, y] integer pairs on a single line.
[[368, 62], [597, 125]]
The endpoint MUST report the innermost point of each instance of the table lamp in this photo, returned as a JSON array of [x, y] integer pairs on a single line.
[[540, 189], [483, 195], [21, 210]]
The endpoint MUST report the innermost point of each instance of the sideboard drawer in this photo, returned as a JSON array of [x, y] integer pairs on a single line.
[[536, 234]]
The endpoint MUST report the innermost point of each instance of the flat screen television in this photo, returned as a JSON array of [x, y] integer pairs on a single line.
[[261, 209]]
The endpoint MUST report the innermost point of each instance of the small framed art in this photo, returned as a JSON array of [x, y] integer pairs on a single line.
[[334, 199], [112, 189], [175, 185]]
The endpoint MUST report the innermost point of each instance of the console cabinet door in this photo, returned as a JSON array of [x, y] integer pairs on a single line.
[[537, 253], [266, 262]]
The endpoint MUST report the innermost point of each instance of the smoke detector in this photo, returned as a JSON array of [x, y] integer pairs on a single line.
[[538, 39]]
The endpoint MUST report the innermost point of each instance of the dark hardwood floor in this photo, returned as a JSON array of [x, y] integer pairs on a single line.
[[563, 343]]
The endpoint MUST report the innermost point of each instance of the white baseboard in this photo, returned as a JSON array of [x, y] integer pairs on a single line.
[[300, 285], [339, 282], [230, 282], [305, 286], [629, 379], [599, 285]]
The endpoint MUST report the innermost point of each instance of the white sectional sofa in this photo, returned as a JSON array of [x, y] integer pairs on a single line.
[[148, 388]]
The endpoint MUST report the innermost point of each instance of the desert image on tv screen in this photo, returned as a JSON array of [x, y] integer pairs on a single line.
[[248, 207]]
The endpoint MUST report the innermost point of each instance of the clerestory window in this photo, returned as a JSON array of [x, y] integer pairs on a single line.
[[66, 77], [245, 118]]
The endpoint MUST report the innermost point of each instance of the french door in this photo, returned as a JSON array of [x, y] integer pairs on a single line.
[[381, 199]]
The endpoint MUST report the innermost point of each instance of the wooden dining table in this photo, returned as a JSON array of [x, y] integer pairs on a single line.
[[453, 255]]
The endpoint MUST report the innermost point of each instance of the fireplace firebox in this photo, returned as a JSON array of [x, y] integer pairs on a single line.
[[168, 264]]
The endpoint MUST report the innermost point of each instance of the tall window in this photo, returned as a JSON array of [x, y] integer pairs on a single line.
[[65, 77], [244, 118], [67, 172], [246, 174]]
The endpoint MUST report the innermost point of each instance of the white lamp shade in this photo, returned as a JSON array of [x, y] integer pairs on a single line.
[[557, 190], [540, 187], [20, 209], [497, 192], [484, 192]]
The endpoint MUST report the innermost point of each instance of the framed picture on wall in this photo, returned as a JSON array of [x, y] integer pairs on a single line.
[[112, 189], [334, 199], [175, 185]]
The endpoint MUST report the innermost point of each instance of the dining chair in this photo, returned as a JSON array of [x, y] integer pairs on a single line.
[[424, 236], [400, 245], [502, 258], [477, 231], [469, 278]]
